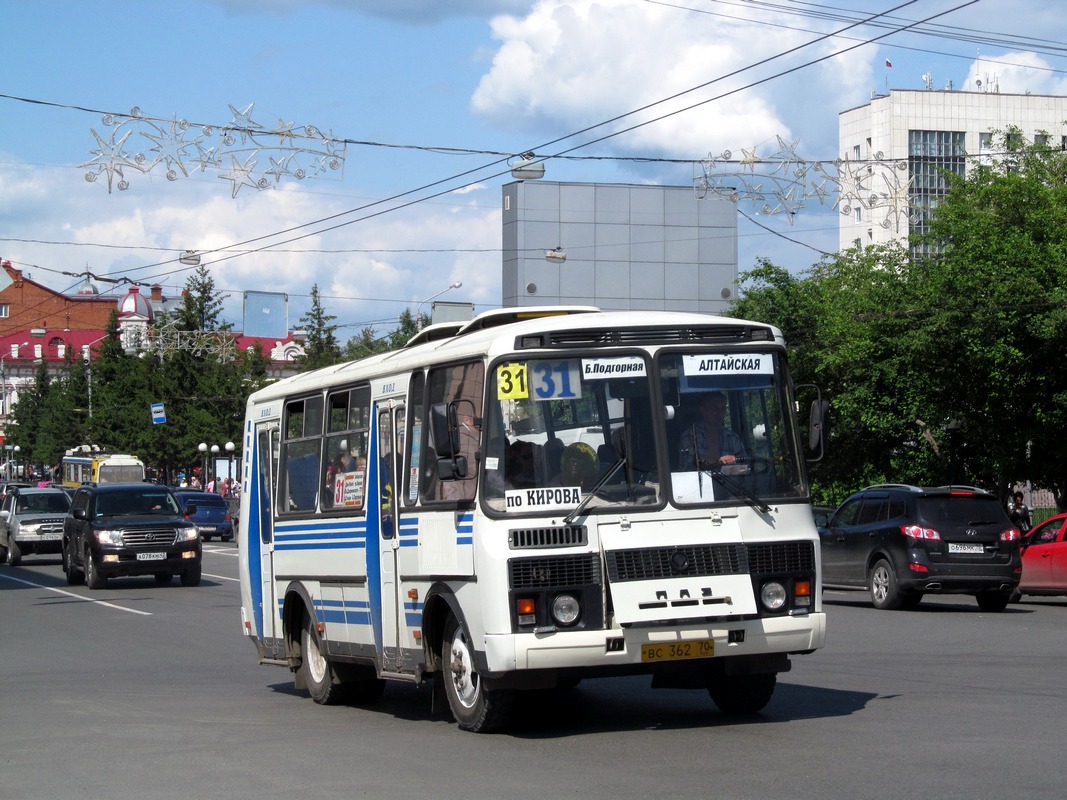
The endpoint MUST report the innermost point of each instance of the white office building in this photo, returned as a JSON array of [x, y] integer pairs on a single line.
[[893, 149]]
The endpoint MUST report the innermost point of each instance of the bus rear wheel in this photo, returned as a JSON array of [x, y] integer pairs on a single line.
[[319, 675], [475, 707]]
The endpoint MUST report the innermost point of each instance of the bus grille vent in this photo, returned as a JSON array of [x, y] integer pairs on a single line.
[[673, 562], [781, 557], [529, 538], [540, 573], [711, 334]]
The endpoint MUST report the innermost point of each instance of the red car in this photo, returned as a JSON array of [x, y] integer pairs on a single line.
[[1045, 558]]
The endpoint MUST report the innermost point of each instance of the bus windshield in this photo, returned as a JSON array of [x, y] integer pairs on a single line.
[[729, 429], [565, 431]]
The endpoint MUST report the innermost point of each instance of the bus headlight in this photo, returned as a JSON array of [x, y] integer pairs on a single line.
[[773, 595], [566, 609]]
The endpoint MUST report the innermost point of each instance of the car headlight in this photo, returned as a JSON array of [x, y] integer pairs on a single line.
[[188, 534], [109, 537], [773, 595], [566, 609]]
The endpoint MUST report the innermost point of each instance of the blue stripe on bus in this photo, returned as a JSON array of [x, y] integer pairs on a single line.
[[341, 545], [254, 540]]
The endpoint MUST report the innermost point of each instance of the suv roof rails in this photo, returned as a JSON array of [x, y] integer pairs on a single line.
[[909, 487], [960, 487]]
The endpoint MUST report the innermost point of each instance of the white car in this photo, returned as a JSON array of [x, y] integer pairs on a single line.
[[31, 521]]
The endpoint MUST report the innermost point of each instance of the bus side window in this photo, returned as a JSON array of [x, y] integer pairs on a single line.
[[462, 387], [301, 456]]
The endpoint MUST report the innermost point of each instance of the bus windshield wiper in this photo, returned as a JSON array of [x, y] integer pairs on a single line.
[[735, 487], [567, 520]]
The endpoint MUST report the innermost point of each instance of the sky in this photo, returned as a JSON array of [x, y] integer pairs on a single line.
[[360, 146]]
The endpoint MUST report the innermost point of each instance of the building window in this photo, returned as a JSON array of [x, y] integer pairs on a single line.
[[856, 152], [1041, 140], [932, 155], [5, 311]]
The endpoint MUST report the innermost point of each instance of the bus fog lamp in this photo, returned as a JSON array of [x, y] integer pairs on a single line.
[[525, 608], [565, 609], [773, 595]]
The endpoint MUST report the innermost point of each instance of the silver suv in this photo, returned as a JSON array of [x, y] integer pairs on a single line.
[[31, 521]]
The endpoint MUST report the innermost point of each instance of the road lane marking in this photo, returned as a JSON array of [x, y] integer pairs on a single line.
[[221, 577], [77, 596]]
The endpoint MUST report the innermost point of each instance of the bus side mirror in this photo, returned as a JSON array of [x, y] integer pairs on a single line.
[[819, 427], [443, 429], [452, 468]]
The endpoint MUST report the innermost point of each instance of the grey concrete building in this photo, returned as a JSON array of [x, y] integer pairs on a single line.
[[618, 246]]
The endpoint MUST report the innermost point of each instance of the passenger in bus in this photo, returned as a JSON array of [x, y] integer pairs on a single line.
[[706, 441], [521, 472], [578, 466]]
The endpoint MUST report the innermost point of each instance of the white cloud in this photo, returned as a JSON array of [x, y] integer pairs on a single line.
[[370, 270], [1016, 73], [569, 64]]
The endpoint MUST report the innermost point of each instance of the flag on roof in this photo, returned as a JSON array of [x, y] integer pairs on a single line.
[[888, 63]]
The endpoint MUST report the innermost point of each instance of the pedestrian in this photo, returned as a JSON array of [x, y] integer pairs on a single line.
[[1019, 513]]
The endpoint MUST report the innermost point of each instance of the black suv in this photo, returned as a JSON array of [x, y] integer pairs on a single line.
[[901, 542], [116, 529]]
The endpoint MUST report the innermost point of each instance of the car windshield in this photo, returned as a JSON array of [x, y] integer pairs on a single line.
[[44, 503], [117, 504], [961, 509]]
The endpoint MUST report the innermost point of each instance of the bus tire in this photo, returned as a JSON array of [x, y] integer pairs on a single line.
[[742, 694], [321, 678], [475, 707]]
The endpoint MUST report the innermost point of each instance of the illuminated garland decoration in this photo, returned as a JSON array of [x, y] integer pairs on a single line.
[[785, 183], [236, 150]]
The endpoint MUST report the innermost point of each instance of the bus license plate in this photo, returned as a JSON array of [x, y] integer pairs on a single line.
[[673, 651], [151, 556]]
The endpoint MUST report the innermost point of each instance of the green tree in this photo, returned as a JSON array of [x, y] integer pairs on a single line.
[[320, 348], [1000, 285]]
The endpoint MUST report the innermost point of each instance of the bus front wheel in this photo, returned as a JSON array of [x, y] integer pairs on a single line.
[[742, 694], [475, 707]]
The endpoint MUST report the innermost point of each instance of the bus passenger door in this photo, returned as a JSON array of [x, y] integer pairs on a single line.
[[261, 535], [390, 433]]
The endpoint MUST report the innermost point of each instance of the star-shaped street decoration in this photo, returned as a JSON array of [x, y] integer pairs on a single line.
[[240, 175], [110, 158], [170, 146], [242, 122]]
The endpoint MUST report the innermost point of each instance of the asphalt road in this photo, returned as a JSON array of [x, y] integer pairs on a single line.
[[147, 692]]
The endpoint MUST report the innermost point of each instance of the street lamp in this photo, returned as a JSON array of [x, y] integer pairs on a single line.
[[418, 311], [14, 352], [17, 476], [202, 447], [230, 447]]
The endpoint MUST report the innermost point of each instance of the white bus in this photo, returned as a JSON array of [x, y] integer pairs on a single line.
[[510, 503]]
